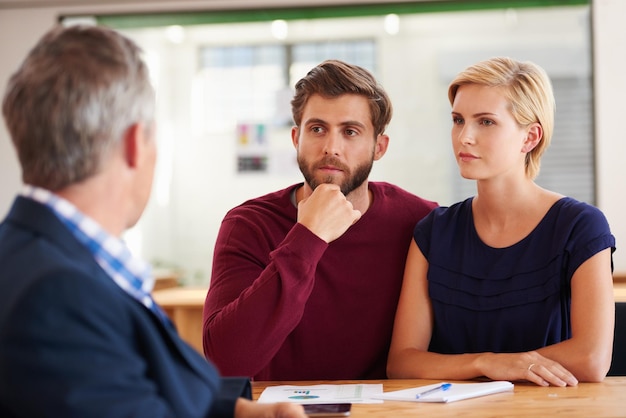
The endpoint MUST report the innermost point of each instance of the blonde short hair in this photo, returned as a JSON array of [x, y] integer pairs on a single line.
[[529, 93]]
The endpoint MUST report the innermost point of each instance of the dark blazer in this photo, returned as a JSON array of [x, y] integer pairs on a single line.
[[74, 344]]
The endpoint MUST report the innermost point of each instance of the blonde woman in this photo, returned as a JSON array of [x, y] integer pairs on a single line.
[[514, 283]]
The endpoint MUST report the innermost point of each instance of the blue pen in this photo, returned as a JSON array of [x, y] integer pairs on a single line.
[[443, 388]]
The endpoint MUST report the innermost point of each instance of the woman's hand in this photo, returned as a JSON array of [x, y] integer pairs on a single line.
[[530, 366]]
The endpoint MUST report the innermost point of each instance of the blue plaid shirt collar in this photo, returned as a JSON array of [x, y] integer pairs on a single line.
[[133, 275]]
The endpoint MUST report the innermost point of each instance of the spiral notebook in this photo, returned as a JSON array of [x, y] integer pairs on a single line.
[[453, 392]]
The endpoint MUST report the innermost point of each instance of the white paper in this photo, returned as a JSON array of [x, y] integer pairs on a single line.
[[341, 393], [456, 392]]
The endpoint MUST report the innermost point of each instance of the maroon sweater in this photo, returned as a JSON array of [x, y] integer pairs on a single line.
[[285, 305]]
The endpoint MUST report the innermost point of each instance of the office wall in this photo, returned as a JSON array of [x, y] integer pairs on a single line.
[[22, 22], [609, 56], [197, 129]]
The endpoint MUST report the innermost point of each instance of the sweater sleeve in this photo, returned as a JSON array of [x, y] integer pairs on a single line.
[[259, 288]]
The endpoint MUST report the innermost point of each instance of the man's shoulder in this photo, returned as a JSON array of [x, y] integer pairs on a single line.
[[394, 193], [35, 246], [51, 276], [277, 195], [32, 228], [271, 203]]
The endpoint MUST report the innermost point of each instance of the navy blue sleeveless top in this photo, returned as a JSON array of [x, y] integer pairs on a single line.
[[511, 299]]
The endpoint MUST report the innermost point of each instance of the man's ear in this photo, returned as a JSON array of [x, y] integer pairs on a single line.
[[133, 138], [382, 142], [295, 135], [533, 137]]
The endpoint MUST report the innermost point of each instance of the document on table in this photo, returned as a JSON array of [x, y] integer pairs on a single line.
[[340, 393], [444, 392]]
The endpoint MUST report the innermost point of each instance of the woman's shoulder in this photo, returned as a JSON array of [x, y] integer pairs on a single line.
[[578, 221], [447, 218], [570, 209], [453, 210]]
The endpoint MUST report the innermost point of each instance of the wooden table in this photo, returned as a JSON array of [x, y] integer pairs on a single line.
[[606, 399], [619, 289]]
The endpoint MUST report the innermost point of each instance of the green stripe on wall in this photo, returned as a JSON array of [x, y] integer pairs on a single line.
[[140, 20]]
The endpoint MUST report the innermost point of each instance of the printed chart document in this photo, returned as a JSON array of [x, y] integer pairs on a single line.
[[447, 392], [341, 393]]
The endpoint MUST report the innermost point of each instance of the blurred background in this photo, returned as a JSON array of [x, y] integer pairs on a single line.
[[224, 79]]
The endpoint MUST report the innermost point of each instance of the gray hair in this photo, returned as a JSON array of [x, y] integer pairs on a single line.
[[72, 100]]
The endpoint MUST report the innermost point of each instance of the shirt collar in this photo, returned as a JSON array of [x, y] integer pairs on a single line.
[[130, 273]]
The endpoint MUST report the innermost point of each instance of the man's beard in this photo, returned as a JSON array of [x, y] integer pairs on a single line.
[[353, 179]]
